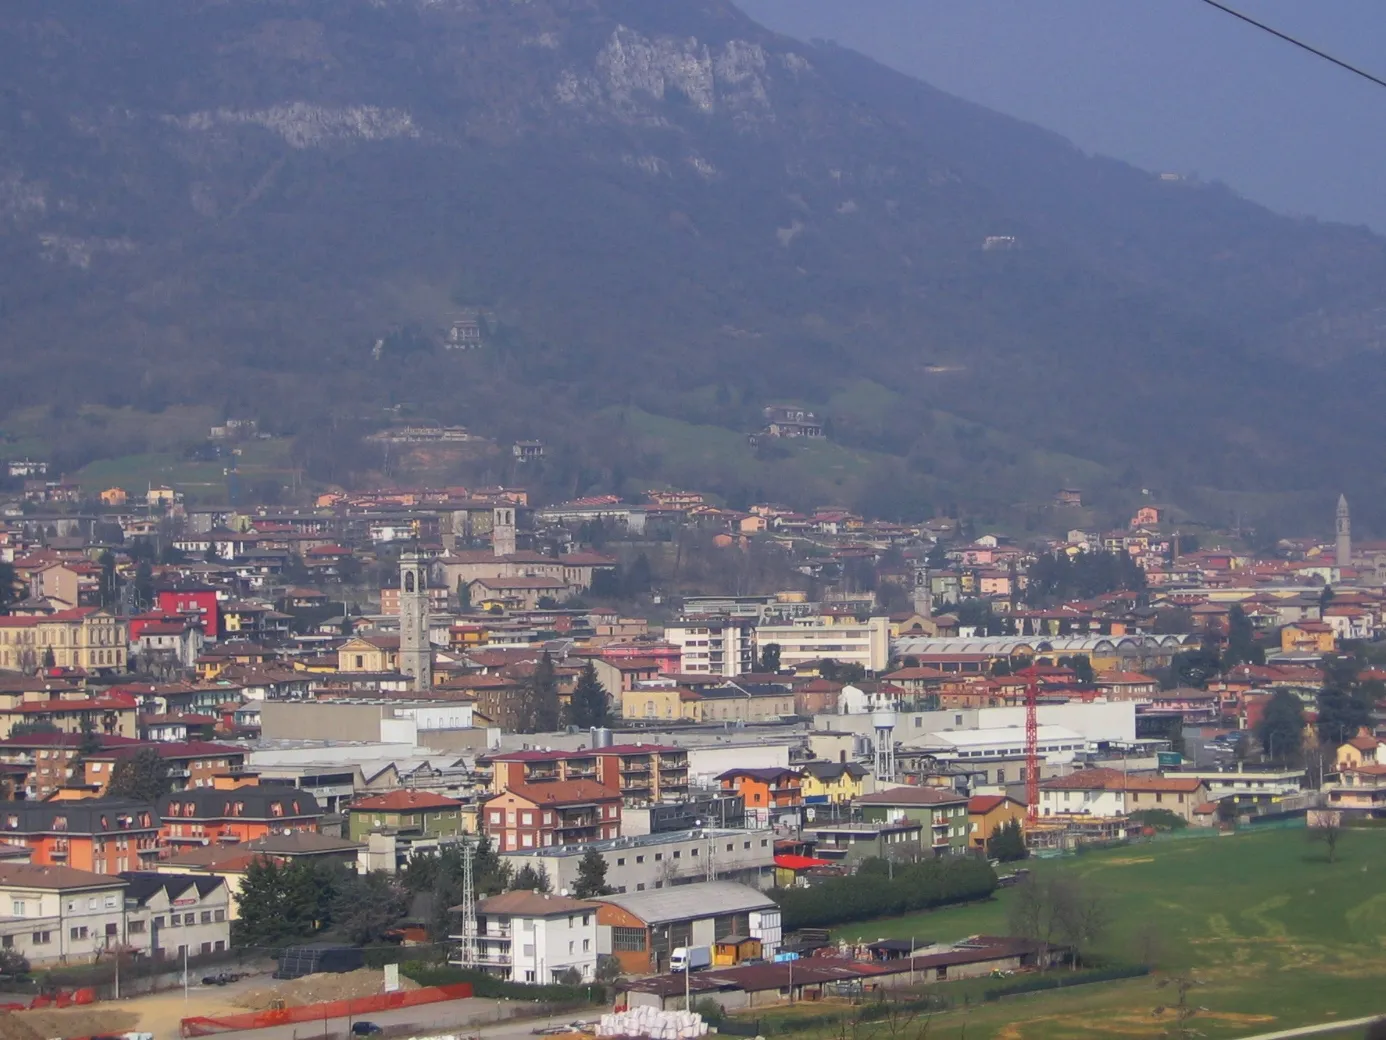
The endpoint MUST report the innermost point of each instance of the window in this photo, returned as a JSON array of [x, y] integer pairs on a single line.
[[17, 908], [77, 933], [112, 929], [42, 938], [219, 945], [219, 916], [764, 842], [572, 946], [640, 887], [658, 856], [620, 861], [745, 844], [586, 920], [586, 945], [136, 928], [693, 852], [110, 902], [174, 920], [627, 940], [7, 942], [206, 917], [640, 859], [91, 903]]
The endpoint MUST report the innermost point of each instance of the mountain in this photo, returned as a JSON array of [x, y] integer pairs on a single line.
[[668, 217]]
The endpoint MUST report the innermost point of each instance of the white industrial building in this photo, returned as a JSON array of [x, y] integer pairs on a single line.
[[1099, 722], [647, 862], [1056, 745]]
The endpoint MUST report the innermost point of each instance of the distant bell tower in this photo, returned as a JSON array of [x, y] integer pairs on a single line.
[[415, 650], [503, 530], [1344, 533], [922, 598]]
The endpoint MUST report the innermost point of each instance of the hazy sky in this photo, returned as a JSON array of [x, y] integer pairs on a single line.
[[1164, 84]]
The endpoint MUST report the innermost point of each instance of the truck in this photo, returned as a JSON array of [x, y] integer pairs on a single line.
[[690, 958]]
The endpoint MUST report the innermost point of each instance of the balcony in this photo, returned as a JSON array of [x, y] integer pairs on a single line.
[[637, 784], [940, 824], [568, 823], [941, 841], [635, 767]]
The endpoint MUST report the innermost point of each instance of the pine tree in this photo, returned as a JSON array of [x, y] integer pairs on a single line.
[[541, 709], [589, 705], [591, 876], [531, 878], [1007, 842], [143, 777]]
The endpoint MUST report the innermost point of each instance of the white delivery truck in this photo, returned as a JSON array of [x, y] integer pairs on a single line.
[[690, 958]]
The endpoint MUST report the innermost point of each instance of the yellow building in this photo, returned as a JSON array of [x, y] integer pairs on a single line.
[[1312, 637], [661, 702], [988, 813], [84, 637], [369, 654], [114, 496], [835, 782]]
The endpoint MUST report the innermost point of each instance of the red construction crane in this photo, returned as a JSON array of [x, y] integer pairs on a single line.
[[1031, 744]]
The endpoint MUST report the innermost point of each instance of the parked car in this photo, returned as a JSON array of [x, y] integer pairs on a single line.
[[364, 1029]]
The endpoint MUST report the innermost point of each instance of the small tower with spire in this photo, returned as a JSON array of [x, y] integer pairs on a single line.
[[1344, 533]]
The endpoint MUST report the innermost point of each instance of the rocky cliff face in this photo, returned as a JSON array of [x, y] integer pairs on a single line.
[[234, 201]]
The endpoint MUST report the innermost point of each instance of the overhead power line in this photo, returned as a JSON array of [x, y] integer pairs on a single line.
[[1298, 43]]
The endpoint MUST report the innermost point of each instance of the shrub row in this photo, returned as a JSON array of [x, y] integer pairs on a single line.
[[1063, 979], [484, 985], [872, 893]]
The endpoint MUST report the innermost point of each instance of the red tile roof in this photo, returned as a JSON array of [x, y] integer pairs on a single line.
[[403, 801]]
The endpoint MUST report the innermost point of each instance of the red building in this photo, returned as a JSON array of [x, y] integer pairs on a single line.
[[193, 599], [560, 812]]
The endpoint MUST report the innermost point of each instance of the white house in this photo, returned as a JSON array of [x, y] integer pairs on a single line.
[[1057, 745], [536, 937], [61, 915]]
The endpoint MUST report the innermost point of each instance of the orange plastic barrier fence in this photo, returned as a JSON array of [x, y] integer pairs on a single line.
[[199, 1026]]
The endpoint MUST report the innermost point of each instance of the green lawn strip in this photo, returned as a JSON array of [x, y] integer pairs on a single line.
[[1280, 936]]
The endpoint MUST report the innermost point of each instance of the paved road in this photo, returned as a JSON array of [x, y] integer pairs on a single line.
[[491, 1019], [1321, 1028]]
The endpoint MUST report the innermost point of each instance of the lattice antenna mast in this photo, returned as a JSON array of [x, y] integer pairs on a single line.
[[467, 954], [1032, 746]]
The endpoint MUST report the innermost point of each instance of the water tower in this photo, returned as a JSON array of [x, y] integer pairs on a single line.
[[884, 720]]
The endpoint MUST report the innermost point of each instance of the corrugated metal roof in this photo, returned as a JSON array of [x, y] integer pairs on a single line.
[[686, 902]]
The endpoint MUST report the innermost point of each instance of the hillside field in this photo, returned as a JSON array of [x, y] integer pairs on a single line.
[[1278, 936]]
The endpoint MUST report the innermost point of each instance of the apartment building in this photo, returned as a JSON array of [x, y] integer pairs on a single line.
[[807, 640], [559, 812], [711, 645], [209, 815], [100, 835], [536, 937], [641, 773], [84, 637]]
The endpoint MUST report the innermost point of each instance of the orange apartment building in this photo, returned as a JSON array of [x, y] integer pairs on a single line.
[[103, 835], [558, 812], [216, 815], [641, 773], [764, 790]]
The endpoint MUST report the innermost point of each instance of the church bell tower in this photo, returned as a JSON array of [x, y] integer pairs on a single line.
[[415, 651]]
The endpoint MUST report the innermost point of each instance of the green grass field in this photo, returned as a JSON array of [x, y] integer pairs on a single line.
[[1278, 936]]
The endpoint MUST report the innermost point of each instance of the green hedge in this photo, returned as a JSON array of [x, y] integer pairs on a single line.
[[871, 893], [1064, 979], [484, 985]]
